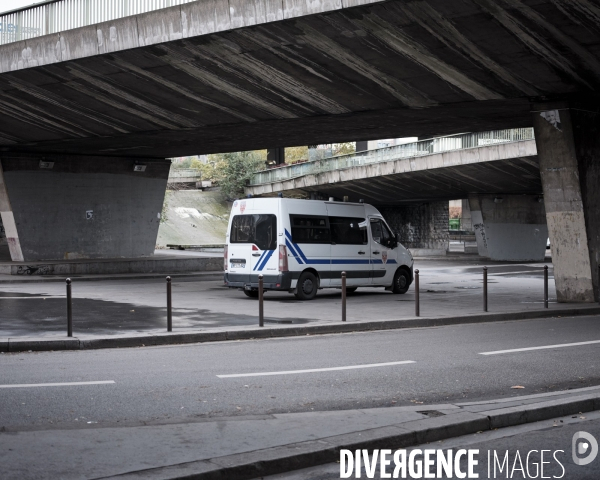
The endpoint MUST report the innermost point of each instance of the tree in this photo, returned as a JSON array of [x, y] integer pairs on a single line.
[[235, 170], [344, 148]]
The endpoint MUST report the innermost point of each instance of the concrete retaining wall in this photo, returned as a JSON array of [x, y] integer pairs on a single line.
[[84, 207], [422, 227]]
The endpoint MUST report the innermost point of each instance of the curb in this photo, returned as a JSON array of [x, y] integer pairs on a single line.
[[40, 344], [271, 461]]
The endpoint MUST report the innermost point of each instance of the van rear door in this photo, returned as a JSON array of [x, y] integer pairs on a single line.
[[252, 243]]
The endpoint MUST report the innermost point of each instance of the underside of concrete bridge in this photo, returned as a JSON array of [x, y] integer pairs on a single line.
[[230, 75], [227, 75]]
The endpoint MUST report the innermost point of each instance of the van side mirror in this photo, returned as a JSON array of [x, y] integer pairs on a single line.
[[396, 239]]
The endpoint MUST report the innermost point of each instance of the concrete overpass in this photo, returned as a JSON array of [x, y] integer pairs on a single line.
[[101, 101], [411, 187]]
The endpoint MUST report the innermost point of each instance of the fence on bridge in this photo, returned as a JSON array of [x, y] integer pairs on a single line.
[[55, 16], [416, 149]]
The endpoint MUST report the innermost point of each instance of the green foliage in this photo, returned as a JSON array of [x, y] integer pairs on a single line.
[[295, 154], [232, 171], [344, 148]]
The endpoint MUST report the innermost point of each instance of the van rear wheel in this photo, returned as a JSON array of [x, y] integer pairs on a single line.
[[401, 281], [350, 290], [251, 293], [307, 286]]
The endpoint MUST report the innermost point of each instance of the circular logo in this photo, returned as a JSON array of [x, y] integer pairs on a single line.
[[584, 448]]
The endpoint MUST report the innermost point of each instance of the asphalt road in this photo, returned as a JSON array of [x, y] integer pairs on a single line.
[[154, 385], [513, 444]]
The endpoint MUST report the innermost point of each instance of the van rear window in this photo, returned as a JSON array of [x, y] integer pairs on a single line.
[[260, 230], [310, 229]]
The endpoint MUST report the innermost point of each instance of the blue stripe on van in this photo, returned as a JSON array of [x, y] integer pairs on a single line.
[[267, 257], [259, 260], [294, 253]]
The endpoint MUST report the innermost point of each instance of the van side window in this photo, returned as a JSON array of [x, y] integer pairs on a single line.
[[381, 233], [258, 229], [346, 231], [309, 229]]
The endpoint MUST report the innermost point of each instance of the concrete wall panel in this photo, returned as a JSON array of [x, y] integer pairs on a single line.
[[117, 35], [298, 8], [207, 16], [244, 13], [513, 229], [85, 208], [160, 26], [78, 43]]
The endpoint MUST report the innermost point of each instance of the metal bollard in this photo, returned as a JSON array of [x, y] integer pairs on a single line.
[[343, 296], [261, 312], [169, 307], [417, 304], [485, 302], [545, 286], [599, 283], [69, 309]]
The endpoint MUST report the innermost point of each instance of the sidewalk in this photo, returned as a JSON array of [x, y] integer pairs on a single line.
[[245, 447], [131, 310]]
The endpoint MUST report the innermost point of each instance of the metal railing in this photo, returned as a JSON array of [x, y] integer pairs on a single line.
[[416, 149], [59, 15]]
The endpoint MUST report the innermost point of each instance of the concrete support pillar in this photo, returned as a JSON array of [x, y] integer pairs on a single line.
[[509, 227], [68, 207], [466, 224], [362, 146], [568, 144], [423, 228], [276, 156]]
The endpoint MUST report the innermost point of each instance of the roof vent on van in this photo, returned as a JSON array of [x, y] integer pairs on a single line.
[[362, 200], [345, 198], [249, 195], [280, 194], [331, 199]]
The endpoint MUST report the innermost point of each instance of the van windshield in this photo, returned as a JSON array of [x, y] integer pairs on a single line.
[[260, 230]]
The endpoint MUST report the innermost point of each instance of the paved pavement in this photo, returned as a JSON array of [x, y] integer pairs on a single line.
[[554, 436], [117, 307]]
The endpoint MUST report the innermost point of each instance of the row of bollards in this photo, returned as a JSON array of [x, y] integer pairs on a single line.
[[261, 319]]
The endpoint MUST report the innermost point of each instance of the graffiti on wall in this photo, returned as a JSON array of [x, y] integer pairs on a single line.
[[479, 227]]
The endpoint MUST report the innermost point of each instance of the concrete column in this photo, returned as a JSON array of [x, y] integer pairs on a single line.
[[509, 227], [276, 156], [67, 207], [423, 227], [466, 223], [568, 144], [362, 146]]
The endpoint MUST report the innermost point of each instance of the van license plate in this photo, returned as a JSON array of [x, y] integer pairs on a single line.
[[238, 265]]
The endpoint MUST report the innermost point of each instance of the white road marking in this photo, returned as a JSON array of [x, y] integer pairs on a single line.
[[545, 347], [65, 384], [291, 372]]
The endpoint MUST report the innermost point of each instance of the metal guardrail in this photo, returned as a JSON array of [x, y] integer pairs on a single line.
[[409, 150], [185, 173], [59, 15]]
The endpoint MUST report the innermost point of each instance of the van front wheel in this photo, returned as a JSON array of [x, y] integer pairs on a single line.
[[307, 286], [251, 293], [401, 281]]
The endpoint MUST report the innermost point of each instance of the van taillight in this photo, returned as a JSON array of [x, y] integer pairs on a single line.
[[225, 258], [283, 259]]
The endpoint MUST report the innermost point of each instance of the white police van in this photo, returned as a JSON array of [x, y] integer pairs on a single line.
[[303, 245]]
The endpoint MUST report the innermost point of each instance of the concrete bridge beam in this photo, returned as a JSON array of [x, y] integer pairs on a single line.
[[509, 227], [66, 207], [568, 143]]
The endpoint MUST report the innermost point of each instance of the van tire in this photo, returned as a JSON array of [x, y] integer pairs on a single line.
[[251, 293], [307, 286], [350, 290], [401, 281]]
